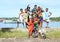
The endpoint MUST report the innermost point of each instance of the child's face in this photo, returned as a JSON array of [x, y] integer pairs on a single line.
[[46, 9], [21, 10], [25, 10], [35, 7]]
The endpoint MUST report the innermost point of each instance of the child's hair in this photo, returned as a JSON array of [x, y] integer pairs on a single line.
[[40, 9], [28, 8], [35, 5], [25, 10], [21, 9]]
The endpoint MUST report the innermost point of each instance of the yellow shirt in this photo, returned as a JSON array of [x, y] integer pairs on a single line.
[[40, 15], [25, 17]]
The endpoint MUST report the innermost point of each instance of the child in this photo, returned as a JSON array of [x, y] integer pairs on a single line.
[[40, 17], [36, 23], [21, 18], [30, 27], [25, 17], [46, 16]]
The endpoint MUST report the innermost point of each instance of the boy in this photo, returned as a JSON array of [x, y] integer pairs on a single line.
[[40, 16], [21, 18], [46, 16]]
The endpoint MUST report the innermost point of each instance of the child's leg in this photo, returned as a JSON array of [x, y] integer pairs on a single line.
[[31, 33], [28, 34], [39, 36], [23, 24], [41, 23], [17, 24], [47, 24], [26, 24]]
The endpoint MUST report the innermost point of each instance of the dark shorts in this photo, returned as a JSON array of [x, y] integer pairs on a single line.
[[40, 19]]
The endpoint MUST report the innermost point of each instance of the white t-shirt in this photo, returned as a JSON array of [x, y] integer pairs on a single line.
[[21, 17], [45, 15]]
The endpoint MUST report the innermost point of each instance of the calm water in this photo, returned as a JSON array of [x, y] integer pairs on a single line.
[[14, 25]]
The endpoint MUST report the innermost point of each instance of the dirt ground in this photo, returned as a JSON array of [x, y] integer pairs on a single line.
[[28, 40]]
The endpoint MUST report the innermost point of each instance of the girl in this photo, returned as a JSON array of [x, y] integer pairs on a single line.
[[30, 27], [25, 17]]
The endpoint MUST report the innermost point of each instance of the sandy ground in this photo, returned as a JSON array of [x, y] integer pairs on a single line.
[[28, 40]]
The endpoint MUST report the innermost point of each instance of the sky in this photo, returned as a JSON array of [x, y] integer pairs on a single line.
[[10, 8]]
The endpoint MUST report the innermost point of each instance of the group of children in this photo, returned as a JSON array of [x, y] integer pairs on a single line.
[[34, 18]]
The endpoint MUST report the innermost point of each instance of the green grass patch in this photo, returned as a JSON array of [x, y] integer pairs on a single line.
[[22, 34], [17, 34], [53, 34]]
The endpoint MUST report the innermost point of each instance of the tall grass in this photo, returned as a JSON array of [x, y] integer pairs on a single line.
[[17, 34], [53, 34]]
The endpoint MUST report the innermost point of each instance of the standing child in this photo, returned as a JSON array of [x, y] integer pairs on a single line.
[[40, 16], [30, 27], [25, 17], [46, 16], [21, 18]]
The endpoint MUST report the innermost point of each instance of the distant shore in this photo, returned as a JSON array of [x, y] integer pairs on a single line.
[[54, 19]]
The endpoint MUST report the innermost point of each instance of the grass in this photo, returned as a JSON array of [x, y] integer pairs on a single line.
[[53, 34], [17, 34], [22, 34]]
